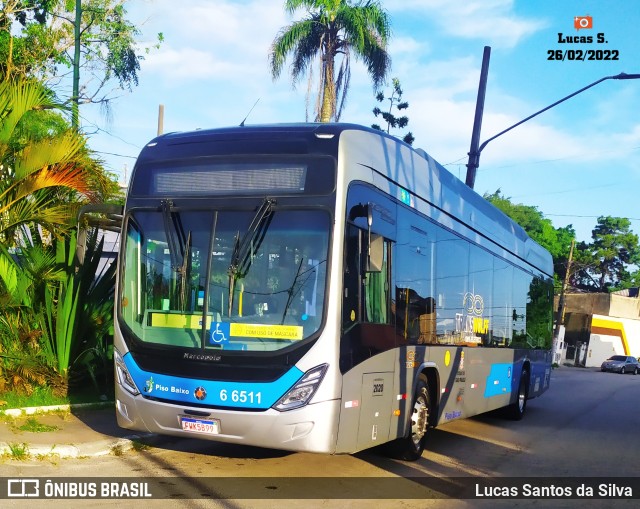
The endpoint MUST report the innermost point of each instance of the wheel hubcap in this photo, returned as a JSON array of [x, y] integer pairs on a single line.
[[419, 420], [521, 399]]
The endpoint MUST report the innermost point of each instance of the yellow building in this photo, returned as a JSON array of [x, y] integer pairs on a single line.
[[599, 325]]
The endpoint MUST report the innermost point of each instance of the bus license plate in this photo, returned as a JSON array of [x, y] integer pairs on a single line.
[[208, 427]]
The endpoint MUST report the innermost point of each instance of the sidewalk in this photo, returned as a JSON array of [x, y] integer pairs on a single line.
[[66, 432]]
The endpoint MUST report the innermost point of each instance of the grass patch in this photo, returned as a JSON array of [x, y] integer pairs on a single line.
[[43, 396], [117, 450], [19, 451], [34, 426], [139, 446]]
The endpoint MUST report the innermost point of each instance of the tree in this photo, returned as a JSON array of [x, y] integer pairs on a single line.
[[54, 308], [34, 173], [332, 28], [605, 264], [27, 50], [92, 37], [103, 39], [64, 307], [392, 121]]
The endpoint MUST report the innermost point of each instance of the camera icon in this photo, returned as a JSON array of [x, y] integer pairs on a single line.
[[23, 488], [580, 22]]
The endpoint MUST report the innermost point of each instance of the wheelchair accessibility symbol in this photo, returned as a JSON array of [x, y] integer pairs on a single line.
[[220, 334]]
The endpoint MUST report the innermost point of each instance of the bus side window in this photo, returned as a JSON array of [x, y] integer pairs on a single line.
[[376, 290], [415, 316]]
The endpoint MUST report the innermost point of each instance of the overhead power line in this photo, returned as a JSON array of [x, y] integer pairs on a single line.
[[590, 217]]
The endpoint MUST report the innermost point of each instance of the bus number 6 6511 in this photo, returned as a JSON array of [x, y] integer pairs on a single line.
[[241, 396]]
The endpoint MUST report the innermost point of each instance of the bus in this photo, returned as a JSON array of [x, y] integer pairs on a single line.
[[320, 287]]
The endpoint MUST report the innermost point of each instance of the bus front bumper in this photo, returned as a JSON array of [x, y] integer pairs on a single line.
[[311, 428]]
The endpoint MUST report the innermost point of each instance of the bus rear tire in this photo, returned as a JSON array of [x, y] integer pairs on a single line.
[[516, 410], [411, 447]]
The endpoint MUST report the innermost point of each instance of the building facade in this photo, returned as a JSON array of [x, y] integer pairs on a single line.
[[597, 326]]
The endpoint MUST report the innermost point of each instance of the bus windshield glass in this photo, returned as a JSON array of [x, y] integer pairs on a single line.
[[230, 280]]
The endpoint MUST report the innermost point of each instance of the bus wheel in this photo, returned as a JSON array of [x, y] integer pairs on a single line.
[[516, 410], [410, 448]]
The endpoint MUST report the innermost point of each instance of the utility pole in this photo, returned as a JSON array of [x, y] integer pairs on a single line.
[[75, 100], [561, 305], [474, 153]]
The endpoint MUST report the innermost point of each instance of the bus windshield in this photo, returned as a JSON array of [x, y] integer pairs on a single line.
[[230, 280]]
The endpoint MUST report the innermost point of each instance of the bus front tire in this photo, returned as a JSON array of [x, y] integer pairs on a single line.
[[411, 447], [516, 410]]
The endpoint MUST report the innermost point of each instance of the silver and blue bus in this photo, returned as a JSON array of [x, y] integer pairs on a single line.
[[320, 287]]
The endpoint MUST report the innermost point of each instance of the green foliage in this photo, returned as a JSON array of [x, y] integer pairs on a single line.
[[333, 28], [34, 171], [393, 121], [18, 451], [25, 274], [39, 396], [32, 425], [27, 46], [119, 38], [36, 126], [605, 264], [55, 312], [610, 262], [79, 308], [43, 395], [38, 41], [64, 333], [539, 316]]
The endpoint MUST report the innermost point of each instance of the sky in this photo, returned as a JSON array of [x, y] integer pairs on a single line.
[[574, 162]]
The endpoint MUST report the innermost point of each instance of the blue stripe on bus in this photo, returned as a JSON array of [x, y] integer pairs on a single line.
[[499, 380], [256, 395]]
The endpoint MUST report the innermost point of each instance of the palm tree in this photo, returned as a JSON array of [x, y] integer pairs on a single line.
[[41, 183], [39, 180], [332, 28], [44, 178]]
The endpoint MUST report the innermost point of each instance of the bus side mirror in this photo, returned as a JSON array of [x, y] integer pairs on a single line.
[[375, 257]]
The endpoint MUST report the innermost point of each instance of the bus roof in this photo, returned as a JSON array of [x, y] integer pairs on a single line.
[[411, 168]]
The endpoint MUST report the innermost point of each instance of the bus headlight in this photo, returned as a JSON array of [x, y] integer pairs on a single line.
[[300, 394], [124, 377]]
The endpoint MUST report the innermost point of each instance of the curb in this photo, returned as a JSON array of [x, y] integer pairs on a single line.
[[101, 447], [32, 410]]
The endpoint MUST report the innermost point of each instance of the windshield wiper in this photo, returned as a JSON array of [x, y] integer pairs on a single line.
[[177, 247], [244, 248], [169, 231]]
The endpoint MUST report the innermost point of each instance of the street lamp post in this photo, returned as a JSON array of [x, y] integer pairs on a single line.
[[475, 150]]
